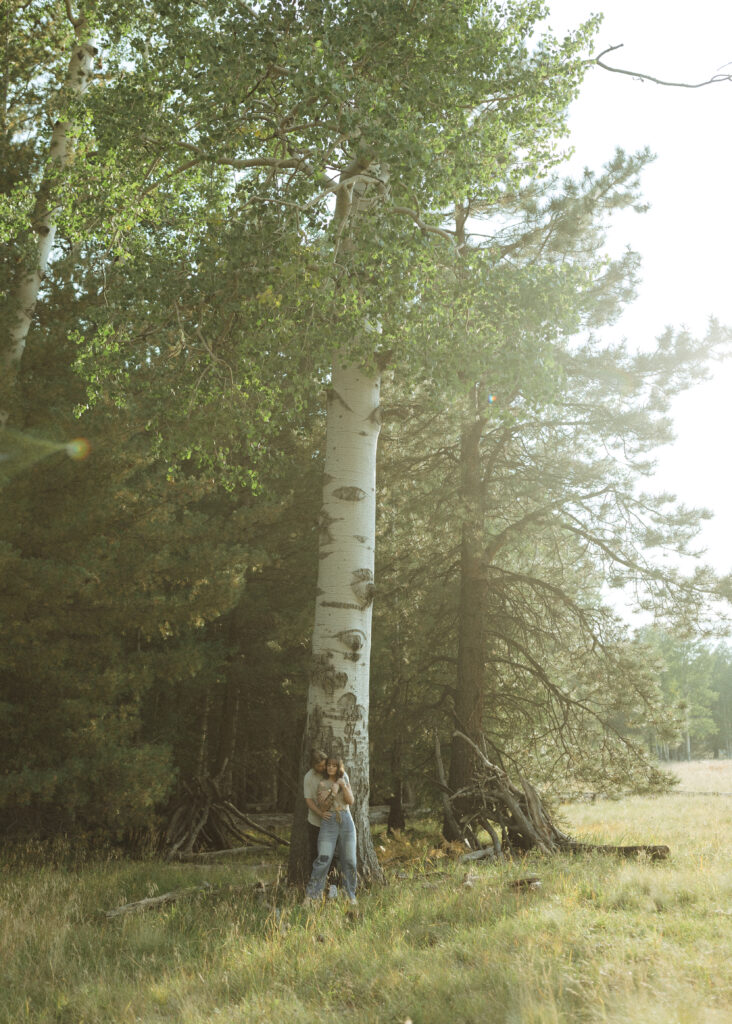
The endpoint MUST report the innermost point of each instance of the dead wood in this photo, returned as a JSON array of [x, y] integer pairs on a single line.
[[153, 902], [158, 901], [206, 856], [260, 828], [446, 804], [525, 821], [530, 882], [207, 822], [486, 851], [651, 852]]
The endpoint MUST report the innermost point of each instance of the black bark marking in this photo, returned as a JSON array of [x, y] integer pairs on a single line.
[[353, 639], [325, 521], [359, 538], [340, 604], [377, 416], [363, 587], [333, 396], [314, 729], [352, 713], [324, 675], [349, 493]]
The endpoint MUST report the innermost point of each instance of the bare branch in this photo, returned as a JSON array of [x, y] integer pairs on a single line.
[[649, 78]]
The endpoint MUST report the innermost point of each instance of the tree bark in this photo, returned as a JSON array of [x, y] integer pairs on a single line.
[[472, 612], [338, 696], [24, 295]]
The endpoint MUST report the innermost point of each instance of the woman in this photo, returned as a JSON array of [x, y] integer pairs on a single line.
[[334, 798]]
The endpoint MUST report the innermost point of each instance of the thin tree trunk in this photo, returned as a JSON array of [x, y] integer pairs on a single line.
[[24, 295], [472, 612], [202, 762], [229, 734]]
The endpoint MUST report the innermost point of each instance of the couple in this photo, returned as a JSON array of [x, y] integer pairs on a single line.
[[328, 796]]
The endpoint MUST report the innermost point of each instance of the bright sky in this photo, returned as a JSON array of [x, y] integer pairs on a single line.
[[686, 237]]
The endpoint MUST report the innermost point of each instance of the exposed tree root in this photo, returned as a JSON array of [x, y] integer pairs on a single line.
[[518, 810]]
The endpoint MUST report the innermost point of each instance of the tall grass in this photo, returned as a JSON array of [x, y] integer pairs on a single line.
[[601, 940], [710, 776]]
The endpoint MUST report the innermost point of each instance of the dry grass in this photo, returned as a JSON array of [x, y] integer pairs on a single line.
[[702, 776], [602, 940]]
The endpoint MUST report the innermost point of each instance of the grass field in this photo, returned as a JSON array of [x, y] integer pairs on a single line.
[[601, 940], [703, 776]]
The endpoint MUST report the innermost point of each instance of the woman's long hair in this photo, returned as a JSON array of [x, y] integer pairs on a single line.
[[339, 761]]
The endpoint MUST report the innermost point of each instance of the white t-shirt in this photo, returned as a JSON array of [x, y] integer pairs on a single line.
[[310, 789]]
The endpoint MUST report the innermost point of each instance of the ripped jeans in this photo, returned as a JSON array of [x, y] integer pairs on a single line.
[[333, 832]]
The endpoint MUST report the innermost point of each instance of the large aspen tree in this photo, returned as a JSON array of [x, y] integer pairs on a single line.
[[457, 131]]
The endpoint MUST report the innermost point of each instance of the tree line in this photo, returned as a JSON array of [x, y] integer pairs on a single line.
[[243, 245]]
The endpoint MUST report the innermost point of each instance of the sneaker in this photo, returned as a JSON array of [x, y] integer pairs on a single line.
[[353, 901], [333, 892]]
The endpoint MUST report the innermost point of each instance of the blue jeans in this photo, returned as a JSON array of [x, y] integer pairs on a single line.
[[344, 834]]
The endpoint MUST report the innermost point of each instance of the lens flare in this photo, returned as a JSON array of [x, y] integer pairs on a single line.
[[491, 399], [78, 449]]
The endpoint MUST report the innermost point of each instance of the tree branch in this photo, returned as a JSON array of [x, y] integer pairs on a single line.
[[429, 228], [650, 78]]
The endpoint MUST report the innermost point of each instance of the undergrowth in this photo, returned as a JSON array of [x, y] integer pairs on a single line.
[[601, 940]]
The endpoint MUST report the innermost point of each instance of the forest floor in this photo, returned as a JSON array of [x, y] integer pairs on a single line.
[[601, 940]]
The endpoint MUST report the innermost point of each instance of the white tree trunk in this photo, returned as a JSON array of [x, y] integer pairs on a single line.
[[338, 698], [23, 300]]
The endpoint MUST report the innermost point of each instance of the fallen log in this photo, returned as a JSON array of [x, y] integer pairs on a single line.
[[152, 902], [530, 882], [158, 901], [485, 851], [652, 852]]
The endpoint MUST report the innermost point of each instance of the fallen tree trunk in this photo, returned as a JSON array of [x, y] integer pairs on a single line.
[[158, 901], [259, 889]]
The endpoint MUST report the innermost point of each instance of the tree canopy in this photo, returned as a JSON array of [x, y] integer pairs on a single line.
[[204, 212]]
